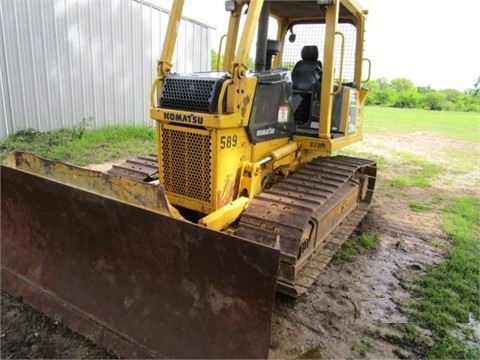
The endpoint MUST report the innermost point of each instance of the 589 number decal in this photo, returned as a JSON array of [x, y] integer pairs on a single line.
[[227, 142]]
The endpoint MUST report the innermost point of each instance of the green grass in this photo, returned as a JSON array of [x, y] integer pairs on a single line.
[[384, 120], [422, 178], [421, 173], [449, 293], [355, 246], [379, 159], [361, 347], [83, 146], [465, 159], [446, 295], [419, 206], [436, 243], [399, 181], [406, 337], [460, 154]]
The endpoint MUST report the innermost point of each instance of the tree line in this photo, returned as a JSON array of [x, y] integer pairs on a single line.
[[402, 93]]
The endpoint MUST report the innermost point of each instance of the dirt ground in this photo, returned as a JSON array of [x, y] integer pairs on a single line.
[[352, 306]]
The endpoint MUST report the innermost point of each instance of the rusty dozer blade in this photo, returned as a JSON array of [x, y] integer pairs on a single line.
[[124, 189], [133, 280]]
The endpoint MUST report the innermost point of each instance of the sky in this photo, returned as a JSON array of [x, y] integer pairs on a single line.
[[434, 43]]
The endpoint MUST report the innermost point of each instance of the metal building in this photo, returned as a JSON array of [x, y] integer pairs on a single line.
[[66, 61]]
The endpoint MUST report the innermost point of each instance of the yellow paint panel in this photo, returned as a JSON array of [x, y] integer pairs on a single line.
[[231, 150]]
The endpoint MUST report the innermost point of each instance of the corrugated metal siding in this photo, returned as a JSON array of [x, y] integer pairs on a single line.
[[4, 95], [63, 61]]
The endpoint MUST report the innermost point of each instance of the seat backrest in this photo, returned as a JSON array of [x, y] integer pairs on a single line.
[[306, 72]]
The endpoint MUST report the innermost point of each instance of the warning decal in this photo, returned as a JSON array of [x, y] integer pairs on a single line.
[[283, 113]]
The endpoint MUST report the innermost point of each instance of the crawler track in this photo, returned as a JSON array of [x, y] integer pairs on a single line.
[[312, 212], [142, 168]]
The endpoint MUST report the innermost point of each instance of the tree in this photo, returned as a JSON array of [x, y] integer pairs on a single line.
[[432, 100], [402, 93], [214, 61], [403, 84], [407, 99], [381, 92]]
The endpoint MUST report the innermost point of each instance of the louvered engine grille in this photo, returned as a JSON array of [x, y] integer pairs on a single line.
[[187, 158], [191, 93]]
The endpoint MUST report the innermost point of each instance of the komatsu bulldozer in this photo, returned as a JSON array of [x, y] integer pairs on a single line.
[[249, 198]]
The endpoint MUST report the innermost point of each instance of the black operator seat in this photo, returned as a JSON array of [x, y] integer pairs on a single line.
[[306, 72], [306, 76]]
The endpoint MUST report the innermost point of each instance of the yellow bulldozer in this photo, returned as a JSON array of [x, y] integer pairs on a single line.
[[248, 198]]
